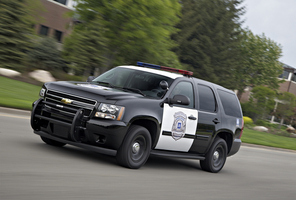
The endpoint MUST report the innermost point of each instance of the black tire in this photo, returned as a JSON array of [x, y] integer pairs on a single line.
[[52, 142], [216, 156], [135, 148]]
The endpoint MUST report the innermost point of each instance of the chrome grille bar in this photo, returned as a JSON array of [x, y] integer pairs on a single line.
[[76, 102]]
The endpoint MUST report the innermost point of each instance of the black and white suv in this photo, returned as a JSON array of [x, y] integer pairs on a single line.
[[132, 112]]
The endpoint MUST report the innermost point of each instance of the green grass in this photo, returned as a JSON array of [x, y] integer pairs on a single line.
[[268, 139], [17, 94]]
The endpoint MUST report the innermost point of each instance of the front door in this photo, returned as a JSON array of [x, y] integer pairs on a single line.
[[178, 122]]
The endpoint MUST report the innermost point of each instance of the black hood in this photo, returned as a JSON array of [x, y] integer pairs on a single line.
[[91, 91]]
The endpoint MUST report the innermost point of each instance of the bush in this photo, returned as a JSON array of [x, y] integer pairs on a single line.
[[63, 76], [261, 122], [248, 109], [247, 120]]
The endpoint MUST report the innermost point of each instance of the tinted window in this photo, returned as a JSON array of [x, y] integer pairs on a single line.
[[184, 88], [61, 1], [207, 101], [58, 35], [230, 103], [147, 82], [43, 30]]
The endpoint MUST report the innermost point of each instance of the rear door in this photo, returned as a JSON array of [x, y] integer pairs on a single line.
[[209, 120], [178, 122]]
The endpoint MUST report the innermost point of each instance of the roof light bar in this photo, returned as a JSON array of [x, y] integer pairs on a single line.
[[180, 71]]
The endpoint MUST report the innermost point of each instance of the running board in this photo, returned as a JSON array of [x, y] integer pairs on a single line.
[[176, 154]]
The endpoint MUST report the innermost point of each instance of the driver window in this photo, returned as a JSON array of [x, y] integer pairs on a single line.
[[184, 88]]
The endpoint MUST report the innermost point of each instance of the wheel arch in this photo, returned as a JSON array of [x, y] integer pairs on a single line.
[[151, 124], [228, 137]]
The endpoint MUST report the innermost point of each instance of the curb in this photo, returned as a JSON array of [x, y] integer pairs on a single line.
[[267, 147], [15, 111]]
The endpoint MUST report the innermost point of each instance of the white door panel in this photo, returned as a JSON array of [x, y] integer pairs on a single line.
[[176, 125]]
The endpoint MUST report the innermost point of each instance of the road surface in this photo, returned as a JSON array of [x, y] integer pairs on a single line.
[[30, 169]]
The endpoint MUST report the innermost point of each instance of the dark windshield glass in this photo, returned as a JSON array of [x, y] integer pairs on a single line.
[[147, 83]]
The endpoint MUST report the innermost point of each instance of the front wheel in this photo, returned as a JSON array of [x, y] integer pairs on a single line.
[[135, 149], [216, 157], [52, 142]]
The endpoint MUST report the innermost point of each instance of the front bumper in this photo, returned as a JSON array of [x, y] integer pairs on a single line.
[[99, 135], [101, 150]]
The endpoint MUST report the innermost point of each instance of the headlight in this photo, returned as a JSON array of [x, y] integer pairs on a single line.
[[42, 92], [108, 111]]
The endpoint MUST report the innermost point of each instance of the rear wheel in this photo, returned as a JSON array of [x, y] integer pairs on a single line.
[[216, 157], [135, 149], [52, 142]]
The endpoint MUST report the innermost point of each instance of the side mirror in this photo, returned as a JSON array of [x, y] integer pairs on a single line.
[[179, 99], [90, 78], [164, 85]]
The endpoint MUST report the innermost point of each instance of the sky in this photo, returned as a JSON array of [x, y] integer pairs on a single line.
[[277, 20]]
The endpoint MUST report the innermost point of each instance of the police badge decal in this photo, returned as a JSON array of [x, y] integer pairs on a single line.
[[179, 125]]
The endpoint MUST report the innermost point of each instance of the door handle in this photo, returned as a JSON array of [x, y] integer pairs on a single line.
[[192, 117], [216, 121]]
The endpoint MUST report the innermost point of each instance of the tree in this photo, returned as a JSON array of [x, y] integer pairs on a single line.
[[262, 102], [45, 54], [260, 62], [14, 34], [85, 48], [137, 30], [286, 107], [209, 39]]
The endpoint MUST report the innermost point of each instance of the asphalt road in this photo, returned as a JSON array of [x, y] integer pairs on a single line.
[[30, 169]]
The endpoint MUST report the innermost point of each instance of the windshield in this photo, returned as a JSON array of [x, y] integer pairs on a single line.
[[135, 81]]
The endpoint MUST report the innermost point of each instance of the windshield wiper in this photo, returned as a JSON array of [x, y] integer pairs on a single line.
[[134, 90], [105, 83]]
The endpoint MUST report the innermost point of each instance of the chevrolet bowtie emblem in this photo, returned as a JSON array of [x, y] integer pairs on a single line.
[[66, 101]]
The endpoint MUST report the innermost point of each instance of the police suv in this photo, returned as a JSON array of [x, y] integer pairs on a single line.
[[132, 112]]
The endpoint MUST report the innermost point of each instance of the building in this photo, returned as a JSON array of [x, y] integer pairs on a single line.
[[54, 22], [289, 75], [289, 84]]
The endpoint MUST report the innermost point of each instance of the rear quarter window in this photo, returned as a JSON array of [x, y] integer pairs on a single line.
[[230, 104]]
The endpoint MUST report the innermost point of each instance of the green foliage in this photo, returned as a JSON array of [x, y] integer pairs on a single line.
[[85, 47], [286, 107], [45, 55], [260, 63], [262, 101], [14, 33], [136, 30], [62, 76], [209, 39], [261, 122], [248, 109]]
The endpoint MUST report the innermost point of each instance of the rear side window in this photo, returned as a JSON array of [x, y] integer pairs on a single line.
[[207, 101], [230, 104]]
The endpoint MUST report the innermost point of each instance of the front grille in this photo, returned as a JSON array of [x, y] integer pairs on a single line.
[[55, 104]]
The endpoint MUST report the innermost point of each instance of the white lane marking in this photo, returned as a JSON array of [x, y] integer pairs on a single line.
[[13, 116]]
